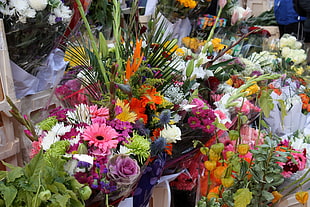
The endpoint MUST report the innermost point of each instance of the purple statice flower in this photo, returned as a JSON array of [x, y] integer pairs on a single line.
[[58, 19], [95, 184], [82, 164]]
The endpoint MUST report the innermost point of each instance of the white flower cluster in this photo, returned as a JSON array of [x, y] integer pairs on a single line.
[[291, 48], [290, 41], [28, 9], [296, 55]]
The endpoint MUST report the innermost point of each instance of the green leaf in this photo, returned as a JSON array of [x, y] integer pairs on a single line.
[[35, 163], [15, 173], [282, 109], [190, 68], [9, 193], [269, 178], [242, 197], [266, 102], [219, 125], [268, 196], [233, 134], [3, 174]]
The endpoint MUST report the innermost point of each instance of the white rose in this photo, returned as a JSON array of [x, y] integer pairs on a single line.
[[171, 133], [38, 5]]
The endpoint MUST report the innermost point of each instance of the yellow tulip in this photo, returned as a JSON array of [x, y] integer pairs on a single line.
[[276, 196], [302, 197]]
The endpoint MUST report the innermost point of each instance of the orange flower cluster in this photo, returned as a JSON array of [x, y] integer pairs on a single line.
[[305, 101], [188, 3], [150, 97]]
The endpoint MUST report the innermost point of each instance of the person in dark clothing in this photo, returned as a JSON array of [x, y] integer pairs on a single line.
[[288, 20], [305, 5]]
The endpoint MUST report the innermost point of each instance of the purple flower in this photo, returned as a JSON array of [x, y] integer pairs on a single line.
[[194, 122], [123, 170], [208, 126]]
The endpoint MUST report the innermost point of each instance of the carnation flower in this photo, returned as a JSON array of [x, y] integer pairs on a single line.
[[171, 133], [101, 136]]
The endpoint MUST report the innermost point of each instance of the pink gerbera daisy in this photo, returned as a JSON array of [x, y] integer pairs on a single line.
[[101, 112], [101, 136]]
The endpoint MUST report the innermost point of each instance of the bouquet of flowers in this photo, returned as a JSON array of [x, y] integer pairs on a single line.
[[180, 9], [33, 28]]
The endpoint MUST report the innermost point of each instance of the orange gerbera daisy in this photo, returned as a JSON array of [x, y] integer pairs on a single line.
[[137, 107]]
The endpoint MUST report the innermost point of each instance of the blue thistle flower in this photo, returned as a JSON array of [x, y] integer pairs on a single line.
[[164, 117]]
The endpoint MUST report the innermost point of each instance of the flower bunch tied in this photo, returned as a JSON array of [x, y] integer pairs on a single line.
[[36, 25]]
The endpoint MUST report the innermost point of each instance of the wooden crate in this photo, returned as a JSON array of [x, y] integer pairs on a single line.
[[9, 143]]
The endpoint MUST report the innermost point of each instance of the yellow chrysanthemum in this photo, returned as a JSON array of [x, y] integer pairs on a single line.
[[253, 89], [126, 114], [192, 43]]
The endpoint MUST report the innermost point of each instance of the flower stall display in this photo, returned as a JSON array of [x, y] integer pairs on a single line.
[[144, 106]]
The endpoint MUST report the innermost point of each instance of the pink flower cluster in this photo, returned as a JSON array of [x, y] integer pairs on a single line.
[[202, 116]]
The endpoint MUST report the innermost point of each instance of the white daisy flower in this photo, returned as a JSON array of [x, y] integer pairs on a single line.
[[54, 135]]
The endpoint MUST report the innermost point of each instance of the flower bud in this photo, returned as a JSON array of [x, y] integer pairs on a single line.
[[218, 148], [204, 150], [227, 182], [45, 195], [212, 195], [229, 154], [243, 149], [302, 197], [86, 192], [210, 165], [213, 156]]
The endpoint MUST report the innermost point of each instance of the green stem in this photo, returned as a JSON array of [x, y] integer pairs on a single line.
[[214, 25], [298, 181], [93, 42], [107, 200], [117, 32]]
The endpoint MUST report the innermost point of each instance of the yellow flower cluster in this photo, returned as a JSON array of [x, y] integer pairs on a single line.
[[188, 3], [193, 43]]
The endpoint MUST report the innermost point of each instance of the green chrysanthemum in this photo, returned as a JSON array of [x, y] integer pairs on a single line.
[[47, 124], [139, 146]]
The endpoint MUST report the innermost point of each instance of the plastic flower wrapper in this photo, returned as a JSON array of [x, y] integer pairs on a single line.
[[289, 107], [34, 26]]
